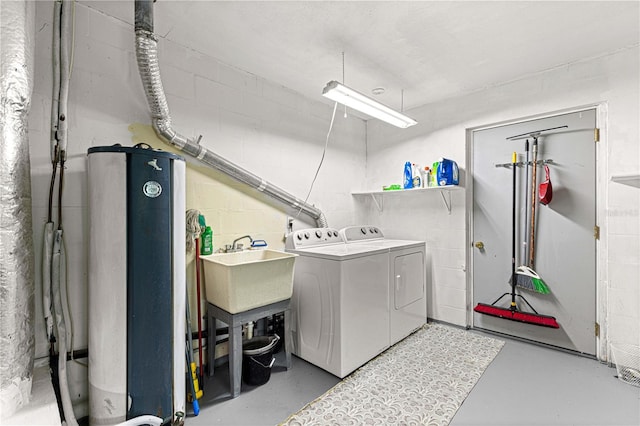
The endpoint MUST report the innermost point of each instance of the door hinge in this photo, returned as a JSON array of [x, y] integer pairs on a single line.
[[596, 135], [596, 329], [596, 232]]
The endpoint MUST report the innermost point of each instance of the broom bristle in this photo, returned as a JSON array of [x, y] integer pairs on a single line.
[[528, 279], [517, 315], [540, 286], [524, 281], [530, 283]]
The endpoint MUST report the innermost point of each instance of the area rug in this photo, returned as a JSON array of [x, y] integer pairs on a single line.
[[422, 380]]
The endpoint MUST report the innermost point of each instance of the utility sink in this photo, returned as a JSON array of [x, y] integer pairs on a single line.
[[240, 281]]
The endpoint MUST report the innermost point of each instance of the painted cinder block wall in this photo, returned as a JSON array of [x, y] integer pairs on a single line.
[[610, 81], [279, 135]]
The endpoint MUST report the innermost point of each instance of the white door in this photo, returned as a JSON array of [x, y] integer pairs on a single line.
[[565, 246]]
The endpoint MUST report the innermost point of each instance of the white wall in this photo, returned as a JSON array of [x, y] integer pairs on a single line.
[[261, 126], [442, 131]]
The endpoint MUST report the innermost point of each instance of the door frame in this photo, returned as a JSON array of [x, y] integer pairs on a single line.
[[601, 189]]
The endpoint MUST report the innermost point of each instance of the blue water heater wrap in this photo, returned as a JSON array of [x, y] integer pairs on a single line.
[[149, 305], [151, 316]]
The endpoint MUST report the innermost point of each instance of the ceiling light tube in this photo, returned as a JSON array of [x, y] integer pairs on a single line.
[[356, 100]]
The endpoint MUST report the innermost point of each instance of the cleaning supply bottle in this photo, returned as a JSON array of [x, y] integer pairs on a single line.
[[423, 176], [417, 179], [408, 176], [447, 172], [434, 171], [426, 177], [206, 247]]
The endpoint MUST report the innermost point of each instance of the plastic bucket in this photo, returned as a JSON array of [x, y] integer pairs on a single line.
[[257, 359]]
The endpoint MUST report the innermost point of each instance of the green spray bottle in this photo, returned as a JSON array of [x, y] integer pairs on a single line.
[[434, 174], [207, 241]]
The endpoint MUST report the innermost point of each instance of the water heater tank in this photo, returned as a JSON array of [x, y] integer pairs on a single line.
[[137, 289]]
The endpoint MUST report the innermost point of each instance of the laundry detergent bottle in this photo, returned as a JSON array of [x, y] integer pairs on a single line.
[[447, 172], [408, 176]]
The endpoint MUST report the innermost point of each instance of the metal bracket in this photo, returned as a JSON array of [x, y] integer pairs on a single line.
[[380, 205], [444, 200], [534, 134], [523, 163]]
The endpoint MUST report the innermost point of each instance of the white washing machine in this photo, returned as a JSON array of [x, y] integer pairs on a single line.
[[340, 302], [407, 278]]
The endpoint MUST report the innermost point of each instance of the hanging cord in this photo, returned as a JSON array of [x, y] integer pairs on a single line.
[[343, 82], [324, 151]]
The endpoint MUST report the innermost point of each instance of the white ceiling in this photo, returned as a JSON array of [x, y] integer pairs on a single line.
[[430, 49]]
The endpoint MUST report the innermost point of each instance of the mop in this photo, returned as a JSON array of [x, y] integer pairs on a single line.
[[195, 227], [195, 222], [513, 312]]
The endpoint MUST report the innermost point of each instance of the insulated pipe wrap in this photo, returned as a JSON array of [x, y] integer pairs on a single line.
[[147, 57], [17, 345]]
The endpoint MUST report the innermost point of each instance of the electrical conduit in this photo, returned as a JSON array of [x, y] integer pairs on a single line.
[[147, 57]]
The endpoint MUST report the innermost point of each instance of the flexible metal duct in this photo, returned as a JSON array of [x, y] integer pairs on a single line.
[[147, 56], [17, 345]]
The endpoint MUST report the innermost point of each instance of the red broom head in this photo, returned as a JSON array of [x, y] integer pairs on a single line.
[[516, 315]]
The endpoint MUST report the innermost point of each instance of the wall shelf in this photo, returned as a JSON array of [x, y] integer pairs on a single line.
[[377, 196], [631, 180]]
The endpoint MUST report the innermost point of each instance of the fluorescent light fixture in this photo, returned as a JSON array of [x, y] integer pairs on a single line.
[[356, 100]]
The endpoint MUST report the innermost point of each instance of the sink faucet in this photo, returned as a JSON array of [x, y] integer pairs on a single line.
[[239, 246]]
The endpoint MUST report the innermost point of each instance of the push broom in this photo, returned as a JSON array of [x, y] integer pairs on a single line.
[[513, 313]]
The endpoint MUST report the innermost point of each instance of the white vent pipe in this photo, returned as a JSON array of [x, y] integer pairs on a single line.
[[17, 335], [147, 56]]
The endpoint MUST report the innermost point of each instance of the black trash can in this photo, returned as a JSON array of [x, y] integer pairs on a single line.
[[257, 359]]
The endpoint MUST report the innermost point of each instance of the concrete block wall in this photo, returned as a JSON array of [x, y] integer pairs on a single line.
[[279, 135], [610, 81], [259, 125]]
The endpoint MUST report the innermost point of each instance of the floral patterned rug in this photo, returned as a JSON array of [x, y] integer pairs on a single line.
[[421, 380]]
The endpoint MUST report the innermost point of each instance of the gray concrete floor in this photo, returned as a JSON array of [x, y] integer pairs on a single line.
[[270, 404], [531, 385], [525, 385]]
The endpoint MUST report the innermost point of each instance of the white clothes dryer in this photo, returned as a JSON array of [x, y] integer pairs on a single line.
[[407, 278], [340, 302]]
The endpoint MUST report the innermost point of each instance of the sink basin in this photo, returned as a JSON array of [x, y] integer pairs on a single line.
[[238, 282]]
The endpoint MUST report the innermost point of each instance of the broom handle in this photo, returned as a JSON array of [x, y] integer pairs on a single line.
[[532, 229], [525, 243], [200, 365], [514, 159]]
